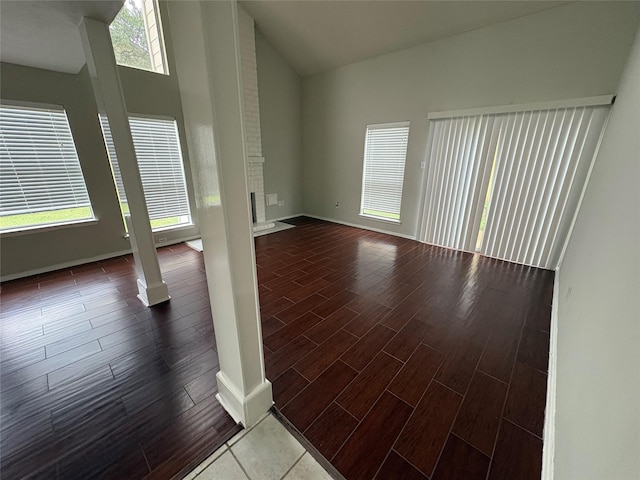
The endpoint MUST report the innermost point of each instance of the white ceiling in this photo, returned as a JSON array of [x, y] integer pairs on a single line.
[[319, 35], [44, 34], [312, 35]]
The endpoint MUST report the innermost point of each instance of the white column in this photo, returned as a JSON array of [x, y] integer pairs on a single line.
[[206, 48], [107, 89]]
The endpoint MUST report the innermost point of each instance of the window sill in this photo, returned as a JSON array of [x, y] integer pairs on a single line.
[[47, 228], [380, 219], [184, 226]]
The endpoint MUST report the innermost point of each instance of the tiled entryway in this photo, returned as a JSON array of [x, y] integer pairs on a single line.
[[265, 452]]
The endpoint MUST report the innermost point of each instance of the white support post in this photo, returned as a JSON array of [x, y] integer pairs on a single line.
[[107, 89], [207, 53]]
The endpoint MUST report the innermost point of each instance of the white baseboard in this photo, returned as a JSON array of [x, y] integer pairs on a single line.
[[246, 410], [549, 435], [83, 261], [357, 225], [286, 217]]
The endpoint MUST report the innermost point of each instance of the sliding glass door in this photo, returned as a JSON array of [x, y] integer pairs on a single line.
[[507, 184]]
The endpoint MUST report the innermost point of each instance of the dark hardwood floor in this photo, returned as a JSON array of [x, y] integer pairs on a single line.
[[396, 359], [393, 358], [95, 385]]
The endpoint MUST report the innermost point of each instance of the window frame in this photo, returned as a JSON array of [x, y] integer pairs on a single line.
[[34, 228], [382, 126], [147, 30], [184, 171]]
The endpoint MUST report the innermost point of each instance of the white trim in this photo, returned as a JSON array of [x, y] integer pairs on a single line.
[[84, 261], [153, 294], [549, 433], [525, 107], [380, 219], [48, 227], [59, 266], [32, 105], [375, 126], [247, 409], [584, 192], [287, 217], [356, 225]]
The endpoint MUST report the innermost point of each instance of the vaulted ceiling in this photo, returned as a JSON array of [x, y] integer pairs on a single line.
[[319, 35], [312, 35]]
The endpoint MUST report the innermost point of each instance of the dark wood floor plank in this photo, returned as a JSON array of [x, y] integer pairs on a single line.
[[479, 417], [287, 386], [291, 330], [415, 376], [330, 430], [526, 398], [397, 467], [368, 347], [311, 401], [534, 349], [278, 363], [360, 458], [518, 455], [203, 386], [423, 438], [363, 392], [330, 325], [460, 461], [407, 340], [320, 358], [296, 310]]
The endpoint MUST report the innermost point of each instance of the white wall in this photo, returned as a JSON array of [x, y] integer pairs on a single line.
[[281, 122], [598, 339], [576, 50]]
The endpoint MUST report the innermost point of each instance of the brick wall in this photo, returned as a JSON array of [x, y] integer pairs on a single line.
[[252, 110]]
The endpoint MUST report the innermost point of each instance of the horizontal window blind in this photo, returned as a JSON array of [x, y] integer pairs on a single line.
[[39, 166], [460, 153], [160, 163], [385, 154], [507, 184]]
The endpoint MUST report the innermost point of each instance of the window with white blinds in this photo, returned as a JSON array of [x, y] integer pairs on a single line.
[[507, 184], [385, 154], [41, 182], [159, 158]]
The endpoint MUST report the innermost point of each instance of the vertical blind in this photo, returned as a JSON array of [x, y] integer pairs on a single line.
[[39, 166], [461, 151], [385, 154], [524, 170], [159, 158]]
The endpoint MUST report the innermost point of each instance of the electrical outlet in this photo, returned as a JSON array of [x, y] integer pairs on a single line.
[[423, 165], [337, 204], [162, 240], [281, 203]]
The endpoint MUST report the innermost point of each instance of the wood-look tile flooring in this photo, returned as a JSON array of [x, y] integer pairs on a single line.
[[95, 385], [396, 359]]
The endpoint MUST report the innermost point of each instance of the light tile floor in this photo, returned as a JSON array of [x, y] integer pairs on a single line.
[[267, 451]]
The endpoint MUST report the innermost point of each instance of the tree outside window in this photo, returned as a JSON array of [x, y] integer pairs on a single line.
[[136, 38]]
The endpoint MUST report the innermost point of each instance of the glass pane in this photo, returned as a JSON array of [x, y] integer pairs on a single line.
[[136, 38]]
